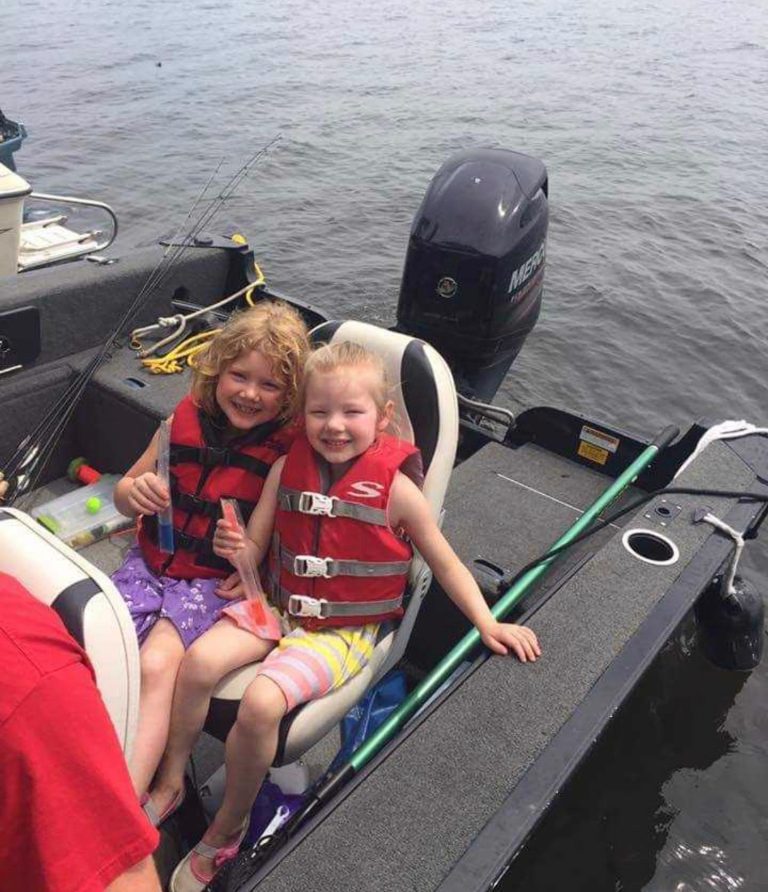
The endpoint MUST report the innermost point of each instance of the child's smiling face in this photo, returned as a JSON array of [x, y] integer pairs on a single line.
[[341, 416], [248, 392]]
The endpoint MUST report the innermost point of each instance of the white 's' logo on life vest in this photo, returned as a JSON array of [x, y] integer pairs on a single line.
[[366, 489]]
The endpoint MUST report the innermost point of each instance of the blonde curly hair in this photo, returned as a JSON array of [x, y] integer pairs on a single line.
[[277, 331]]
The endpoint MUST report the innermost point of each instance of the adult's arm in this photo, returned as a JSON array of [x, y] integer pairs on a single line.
[[142, 877], [71, 821]]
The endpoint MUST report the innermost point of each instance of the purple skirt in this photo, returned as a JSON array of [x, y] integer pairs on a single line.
[[192, 605]]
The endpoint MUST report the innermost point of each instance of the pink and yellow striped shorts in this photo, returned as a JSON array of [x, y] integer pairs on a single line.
[[308, 665]]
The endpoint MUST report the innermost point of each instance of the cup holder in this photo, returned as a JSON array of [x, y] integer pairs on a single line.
[[651, 547]]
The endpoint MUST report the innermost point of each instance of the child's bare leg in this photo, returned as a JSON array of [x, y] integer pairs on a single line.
[[160, 657], [221, 649], [251, 748]]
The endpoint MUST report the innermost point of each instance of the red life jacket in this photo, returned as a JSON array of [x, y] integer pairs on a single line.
[[333, 543], [203, 469]]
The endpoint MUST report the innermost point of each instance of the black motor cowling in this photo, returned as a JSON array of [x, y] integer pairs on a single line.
[[474, 272]]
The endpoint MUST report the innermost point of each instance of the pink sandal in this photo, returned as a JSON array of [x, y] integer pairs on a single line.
[[157, 818], [186, 879]]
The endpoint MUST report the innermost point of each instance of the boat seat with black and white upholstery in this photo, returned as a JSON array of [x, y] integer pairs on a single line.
[[90, 607], [426, 413]]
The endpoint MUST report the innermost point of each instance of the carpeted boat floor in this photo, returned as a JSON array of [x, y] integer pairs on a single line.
[[408, 822], [509, 506]]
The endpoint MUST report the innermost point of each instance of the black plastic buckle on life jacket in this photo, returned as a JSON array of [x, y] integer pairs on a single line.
[[194, 505], [190, 543]]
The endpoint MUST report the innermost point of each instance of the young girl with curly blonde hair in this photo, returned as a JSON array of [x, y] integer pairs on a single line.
[[224, 438]]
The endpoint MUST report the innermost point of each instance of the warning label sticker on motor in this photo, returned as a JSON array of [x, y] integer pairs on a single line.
[[593, 453], [599, 438]]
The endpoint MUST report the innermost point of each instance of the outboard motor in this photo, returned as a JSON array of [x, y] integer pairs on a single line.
[[474, 272]]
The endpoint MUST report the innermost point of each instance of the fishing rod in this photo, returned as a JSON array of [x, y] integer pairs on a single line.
[[244, 867], [49, 427], [27, 463], [155, 277], [214, 206], [179, 244]]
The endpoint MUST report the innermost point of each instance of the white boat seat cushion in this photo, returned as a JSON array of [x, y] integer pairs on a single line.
[[90, 607], [426, 413]]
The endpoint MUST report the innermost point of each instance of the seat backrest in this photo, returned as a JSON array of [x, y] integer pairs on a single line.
[[426, 408], [426, 414], [88, 604]]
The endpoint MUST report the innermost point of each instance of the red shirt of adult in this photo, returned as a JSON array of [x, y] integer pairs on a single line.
[[69, 817]]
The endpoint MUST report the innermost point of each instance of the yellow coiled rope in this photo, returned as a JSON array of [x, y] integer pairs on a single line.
[[184, 352]]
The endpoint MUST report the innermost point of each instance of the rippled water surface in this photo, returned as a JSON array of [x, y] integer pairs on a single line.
[[652, 119]]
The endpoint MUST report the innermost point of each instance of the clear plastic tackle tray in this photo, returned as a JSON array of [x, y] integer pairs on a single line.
[[84, 515]]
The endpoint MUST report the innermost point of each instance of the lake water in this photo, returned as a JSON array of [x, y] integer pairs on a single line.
[[652, 119]]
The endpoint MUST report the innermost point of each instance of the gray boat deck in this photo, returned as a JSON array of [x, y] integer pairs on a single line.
[[450, 802], [509, 506]]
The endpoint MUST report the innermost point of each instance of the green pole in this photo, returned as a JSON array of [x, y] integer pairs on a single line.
[[232, 876], [459, 653]]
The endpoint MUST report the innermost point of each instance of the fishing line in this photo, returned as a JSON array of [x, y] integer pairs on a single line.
[[149, 285], [507, 582], [153, 282], [177, 246], [47, 432], [176, 251], [227, 191]]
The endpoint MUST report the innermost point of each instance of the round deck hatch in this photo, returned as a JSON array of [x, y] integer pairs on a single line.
[[651, 547]]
